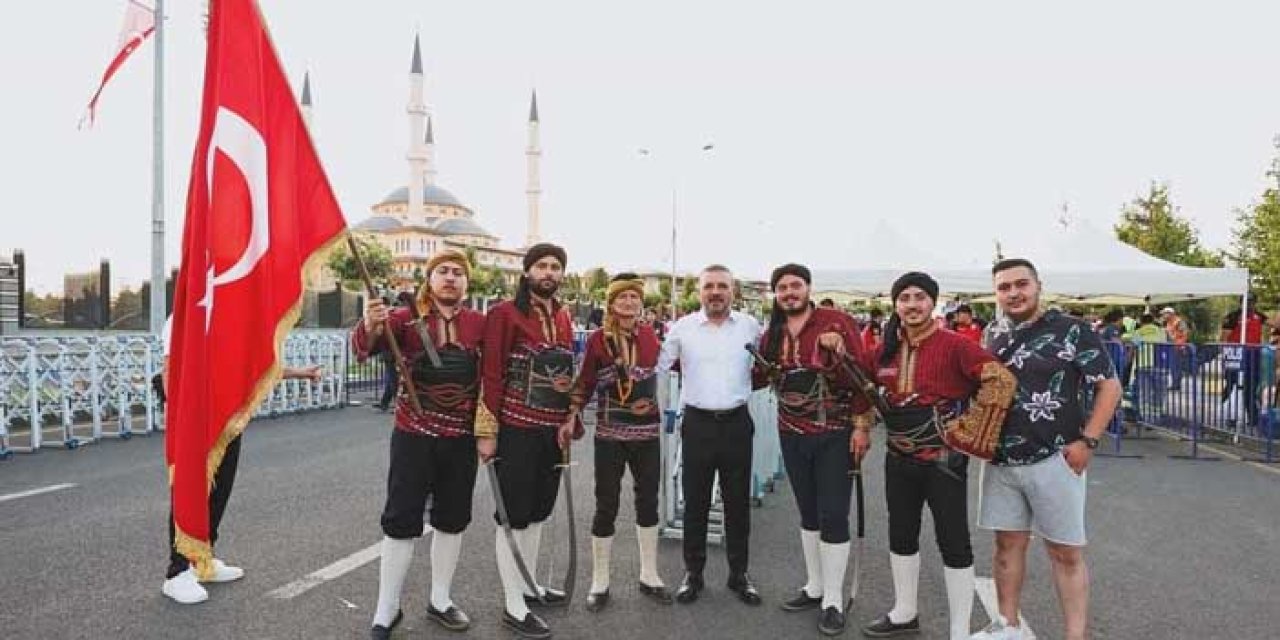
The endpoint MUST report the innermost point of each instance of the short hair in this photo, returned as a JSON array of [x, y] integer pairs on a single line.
[[877, 312], [1147, 318], [1014, 263], [1114, 315], [715, 268], [827, 302]]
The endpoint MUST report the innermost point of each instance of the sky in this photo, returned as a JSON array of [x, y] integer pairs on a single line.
[[953, 123]]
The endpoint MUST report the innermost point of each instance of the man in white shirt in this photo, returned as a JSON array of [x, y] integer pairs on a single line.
[[717, 428]]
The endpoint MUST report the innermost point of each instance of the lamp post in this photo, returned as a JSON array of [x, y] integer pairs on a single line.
[[647, 153]]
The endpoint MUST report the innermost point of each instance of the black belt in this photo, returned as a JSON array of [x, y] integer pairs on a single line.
[[719, 415]]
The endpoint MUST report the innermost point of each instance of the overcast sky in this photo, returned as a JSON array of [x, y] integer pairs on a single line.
[[954, 122]]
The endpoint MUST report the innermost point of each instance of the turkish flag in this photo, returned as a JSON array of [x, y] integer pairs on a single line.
[[259, 207]]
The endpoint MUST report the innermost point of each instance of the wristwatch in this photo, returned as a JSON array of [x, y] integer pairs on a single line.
[[1092, 443]]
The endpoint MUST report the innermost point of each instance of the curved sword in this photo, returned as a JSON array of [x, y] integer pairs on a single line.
[[571, 572], [856, 472], [505, 523]]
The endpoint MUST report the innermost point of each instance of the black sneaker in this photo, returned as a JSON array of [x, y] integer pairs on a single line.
[[531, 627], [883, 627], [660, 593], [802, 602], [452, 618], [550, 598], [379, 632], [832, 622], [741, 585], [597, 601]]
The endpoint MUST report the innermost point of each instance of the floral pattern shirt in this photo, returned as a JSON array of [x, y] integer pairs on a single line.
[[1056, 360]]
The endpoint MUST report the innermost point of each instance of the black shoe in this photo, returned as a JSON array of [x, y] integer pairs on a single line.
[[660, 594], [550, 598], [741, 585], [690, 587], [802, 602], [597, 601], [832, 622], [531, 627], [883, 627], [379, 632], [452, 618]]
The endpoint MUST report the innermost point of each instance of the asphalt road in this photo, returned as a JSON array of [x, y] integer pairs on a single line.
[[1179, 549]]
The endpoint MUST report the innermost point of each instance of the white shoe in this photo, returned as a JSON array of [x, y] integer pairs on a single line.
[[223, 572], [185, 589], [999, 629]]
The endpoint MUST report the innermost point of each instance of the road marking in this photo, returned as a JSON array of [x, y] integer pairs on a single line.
[[986, 588], [331, 572], [35, 492]]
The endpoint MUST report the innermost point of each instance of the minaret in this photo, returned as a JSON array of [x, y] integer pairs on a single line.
[[430, 143], [417, 119], [533, 190], [306, 99]]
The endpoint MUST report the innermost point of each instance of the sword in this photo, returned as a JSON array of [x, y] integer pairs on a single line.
[[571, 572], [856, 473], [506, 530], [864, 384]]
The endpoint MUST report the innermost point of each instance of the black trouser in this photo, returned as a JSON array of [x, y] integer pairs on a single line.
[[421, 466], [390, 384], [612, 458], [714, 443], [528, 473], [818, 468], [908, 485], [223, 479]]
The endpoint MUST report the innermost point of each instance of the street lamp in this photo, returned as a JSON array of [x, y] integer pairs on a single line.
[[645, 153]]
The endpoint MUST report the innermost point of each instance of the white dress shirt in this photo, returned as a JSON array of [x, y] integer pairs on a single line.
[[715, 367]]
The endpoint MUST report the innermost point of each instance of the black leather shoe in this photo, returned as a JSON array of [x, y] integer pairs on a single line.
[[802, 602], [452, 618], [690, 587], [660, 594], [379, 632], [883, 627], [597, 601], [531, 627], [741, 585], [832, 622], [550, 598]]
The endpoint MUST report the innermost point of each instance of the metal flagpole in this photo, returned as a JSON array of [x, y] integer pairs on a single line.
[[158, 288], [674, 293]]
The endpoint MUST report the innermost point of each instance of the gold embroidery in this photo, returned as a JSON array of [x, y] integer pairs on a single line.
[[977, 431]]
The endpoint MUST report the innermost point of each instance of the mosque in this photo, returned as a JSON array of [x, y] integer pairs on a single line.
[[416, 220]]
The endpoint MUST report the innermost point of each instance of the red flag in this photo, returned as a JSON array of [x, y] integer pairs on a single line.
[[259, 207], [139, 23]]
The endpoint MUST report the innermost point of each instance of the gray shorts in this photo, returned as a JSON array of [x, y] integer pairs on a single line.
[[1046, 498]]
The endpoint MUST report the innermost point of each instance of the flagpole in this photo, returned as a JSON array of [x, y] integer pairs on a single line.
[[158, 281]]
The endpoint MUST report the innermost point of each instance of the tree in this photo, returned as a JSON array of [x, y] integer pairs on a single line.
[[597, 284], [1256, 244], [1153, 224], [377, 259]]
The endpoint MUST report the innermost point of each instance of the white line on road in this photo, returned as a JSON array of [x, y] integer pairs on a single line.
[[331, 572], [986, 588], [35, 492]]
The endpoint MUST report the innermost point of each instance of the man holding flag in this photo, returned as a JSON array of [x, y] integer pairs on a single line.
[[259, 207]]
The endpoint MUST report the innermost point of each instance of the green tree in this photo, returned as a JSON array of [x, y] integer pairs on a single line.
[[1256, 244], [1153, 224], [377, 259], [597, 283]]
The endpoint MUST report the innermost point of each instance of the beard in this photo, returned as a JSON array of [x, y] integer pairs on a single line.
[[799, 308], [545, 287]]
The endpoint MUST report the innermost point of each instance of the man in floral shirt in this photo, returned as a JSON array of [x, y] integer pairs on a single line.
[[1037, 481]]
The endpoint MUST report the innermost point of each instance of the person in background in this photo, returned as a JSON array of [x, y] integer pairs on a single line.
[[965, 326], [872, 333], [1250, 360], [1151, 382], [1179, 333], [827, 303]]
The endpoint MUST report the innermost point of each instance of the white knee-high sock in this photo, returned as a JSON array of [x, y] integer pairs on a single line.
[[959, 600], [647, 538], [600, 552], [445, 548], [530, 539], [512, 583], [835, 559], [809, 541], [906, 581], [392, 569]]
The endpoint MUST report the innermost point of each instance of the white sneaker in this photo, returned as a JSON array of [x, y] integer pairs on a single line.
[[999, 629], [222, 572], [185, 589]]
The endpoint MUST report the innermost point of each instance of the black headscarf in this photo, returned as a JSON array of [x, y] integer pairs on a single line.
[[892, 340], [777, 318], [534, 254]]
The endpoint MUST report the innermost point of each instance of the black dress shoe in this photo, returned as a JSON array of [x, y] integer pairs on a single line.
[[597, 601], [660, 593], [531, 627], [741, 585], [883, 627], [802, 602], [379, 632], [550, 598], [452, 618], [690, 587], [832, 622]]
